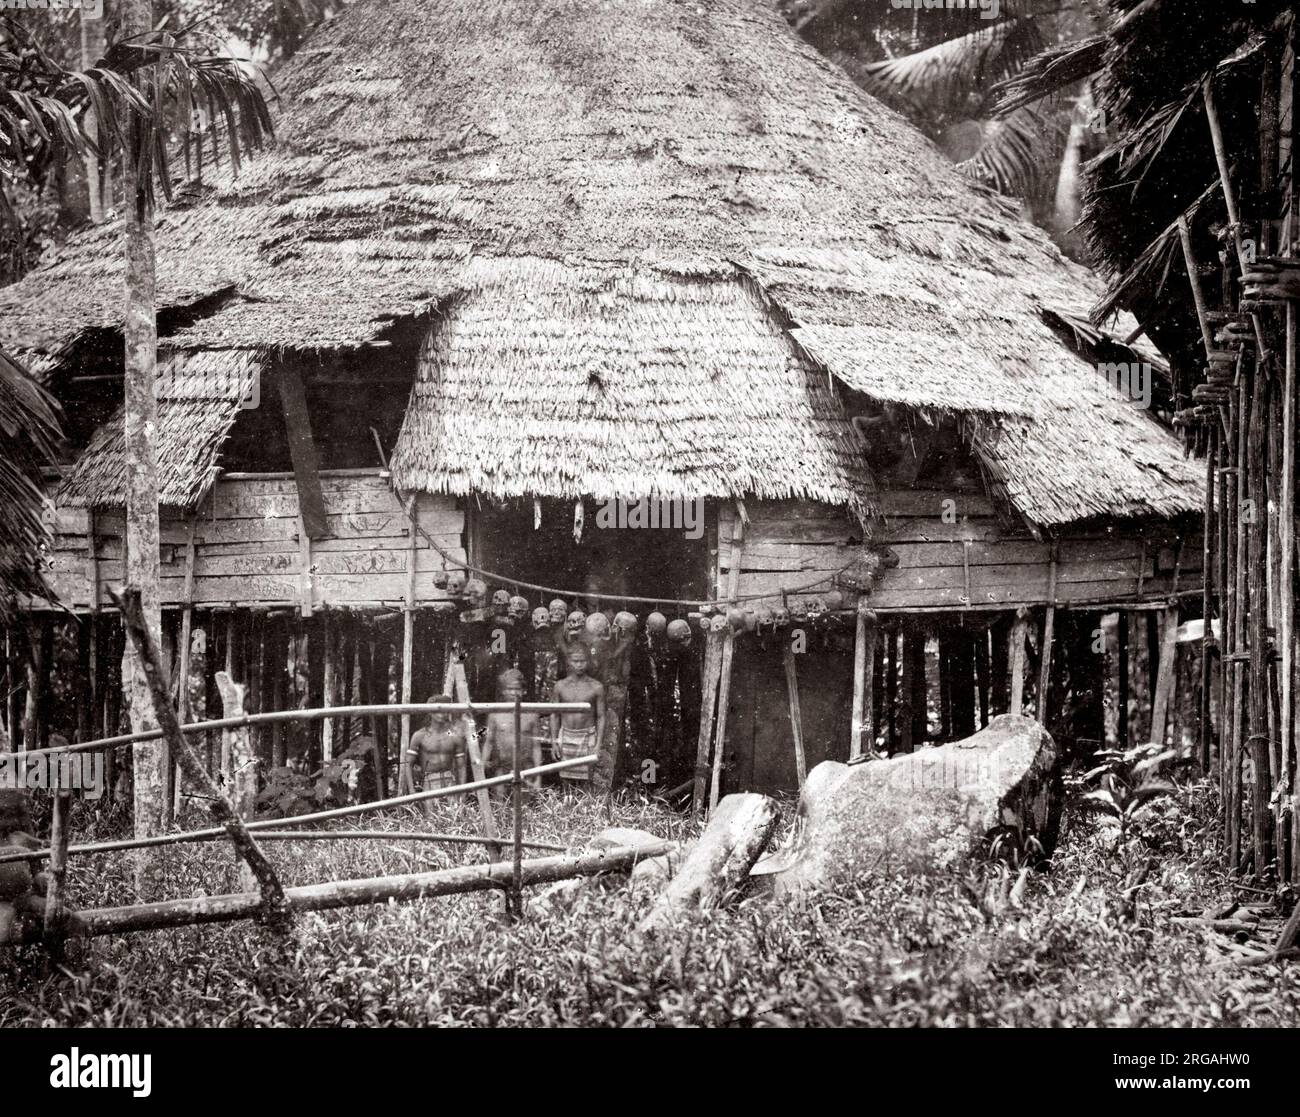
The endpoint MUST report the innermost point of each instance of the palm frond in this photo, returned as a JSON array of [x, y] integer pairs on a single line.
[[1014, 153], [944, 75], [29, 426], [1051, 72], [132, 93]]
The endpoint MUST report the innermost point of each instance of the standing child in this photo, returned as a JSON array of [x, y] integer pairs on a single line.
[[438, 749], [499, 747], [580, 733]]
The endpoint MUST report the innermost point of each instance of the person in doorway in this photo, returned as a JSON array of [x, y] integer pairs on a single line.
[[578, 733], [438, 749], [499, 745]]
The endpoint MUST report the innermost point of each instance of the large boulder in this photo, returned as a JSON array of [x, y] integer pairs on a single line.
[[925, 811]]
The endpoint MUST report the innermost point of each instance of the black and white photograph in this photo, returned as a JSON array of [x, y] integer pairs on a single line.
[[657, 514]]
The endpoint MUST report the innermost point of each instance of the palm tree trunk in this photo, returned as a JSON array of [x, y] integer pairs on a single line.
[[98, 182], [150, 758]]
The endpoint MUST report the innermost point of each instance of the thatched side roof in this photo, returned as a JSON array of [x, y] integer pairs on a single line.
[[199, 397], [671, 146], [576, 381]]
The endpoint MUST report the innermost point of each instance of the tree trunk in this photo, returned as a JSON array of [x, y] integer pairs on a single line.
[[150, 758], [99, 179]]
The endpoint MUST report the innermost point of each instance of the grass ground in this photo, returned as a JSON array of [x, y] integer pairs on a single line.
[[1078, 945]]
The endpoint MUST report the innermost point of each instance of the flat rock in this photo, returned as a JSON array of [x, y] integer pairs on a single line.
[[925, 811]]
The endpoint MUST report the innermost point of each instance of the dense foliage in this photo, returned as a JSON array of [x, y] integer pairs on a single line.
[[1079, 945]]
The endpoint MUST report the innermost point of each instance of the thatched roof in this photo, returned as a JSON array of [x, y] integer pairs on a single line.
[[199, 397], [623, 215]]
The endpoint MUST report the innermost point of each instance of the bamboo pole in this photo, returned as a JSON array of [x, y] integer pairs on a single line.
[[270, 824], [1258, 740], [372, 890], [1286, 620], [1229, 195], [517, 887], [280, 716]]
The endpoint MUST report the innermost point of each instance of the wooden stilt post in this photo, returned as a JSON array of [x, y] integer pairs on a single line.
[[1121, 729], [1045, 655], [55, 905], [796, 715], [891, 689], [907, 688], [862, 735], [328, 727], [404, 781], [1016, 654], [860, 683], [982, 674], [708, 707], [1166, 676]]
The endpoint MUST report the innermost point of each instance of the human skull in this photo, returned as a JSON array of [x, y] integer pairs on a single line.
[[679, 633], [781, 618], [559, 610], [476, 593], [751, 621], [656, 624], [766, 620], [575, 623], [815, 608], [456, 583], [625, 625], [597, 625], [500, 602], [717, 623], [834, 601], [541, 618], [736, 618], [517, 609]]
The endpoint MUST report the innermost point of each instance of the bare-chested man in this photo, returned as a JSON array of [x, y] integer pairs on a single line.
[[438, 749], [499, 746], [578, 734]]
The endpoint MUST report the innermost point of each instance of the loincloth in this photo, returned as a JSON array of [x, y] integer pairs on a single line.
[[435, 780], [573, 743]]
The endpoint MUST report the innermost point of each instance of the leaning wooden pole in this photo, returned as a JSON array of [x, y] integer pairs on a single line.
[[271, 900]]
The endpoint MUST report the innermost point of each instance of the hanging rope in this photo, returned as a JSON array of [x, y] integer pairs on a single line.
[[494, 576]]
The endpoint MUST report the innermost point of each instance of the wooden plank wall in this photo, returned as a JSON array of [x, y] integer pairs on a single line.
[[972, 562], [248, 549]]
